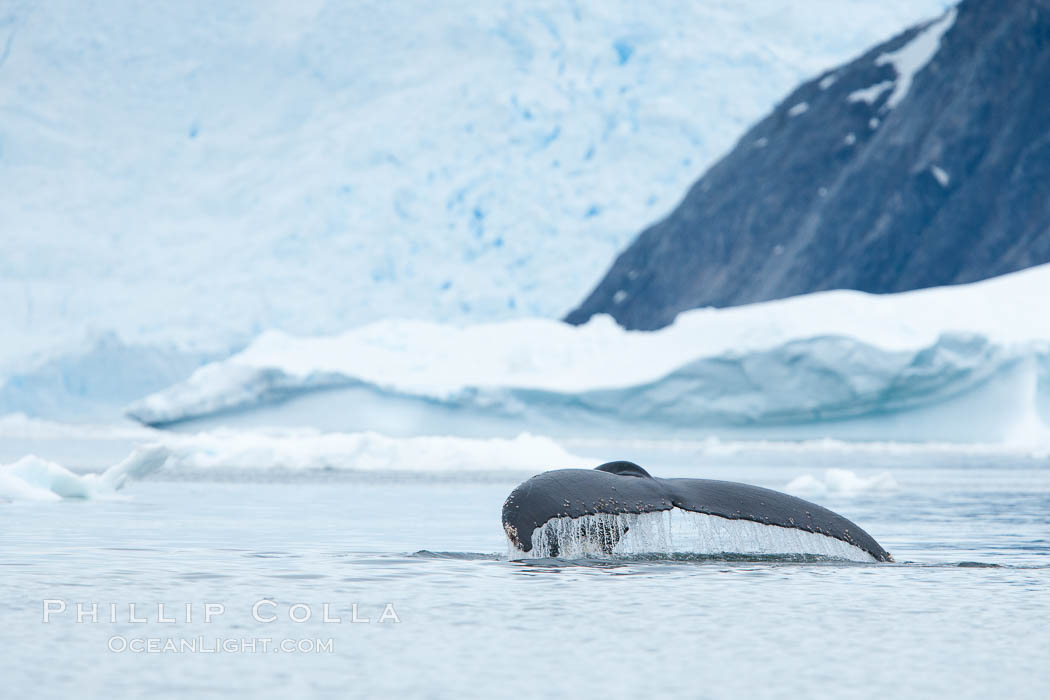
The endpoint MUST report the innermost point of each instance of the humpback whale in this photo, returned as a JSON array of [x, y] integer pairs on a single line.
[[599, 506]]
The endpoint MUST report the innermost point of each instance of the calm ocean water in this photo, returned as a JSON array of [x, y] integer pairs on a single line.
[[963, 613]]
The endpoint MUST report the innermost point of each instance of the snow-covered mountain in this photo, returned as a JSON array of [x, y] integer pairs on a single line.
[[923, 162], [191, 174]]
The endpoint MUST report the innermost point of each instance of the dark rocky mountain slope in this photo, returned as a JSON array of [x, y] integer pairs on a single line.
[[924, 162]]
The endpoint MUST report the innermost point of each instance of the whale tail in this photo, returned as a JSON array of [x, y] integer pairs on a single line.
[[580, 512]]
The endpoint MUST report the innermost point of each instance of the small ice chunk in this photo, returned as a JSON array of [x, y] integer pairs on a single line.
[[874, 122], [761, 143], [827, 81], [850, 139], [619, 297], [800, 108], [942, 177]]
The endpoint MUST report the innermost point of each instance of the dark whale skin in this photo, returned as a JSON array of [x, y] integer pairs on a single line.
[[624, 487]]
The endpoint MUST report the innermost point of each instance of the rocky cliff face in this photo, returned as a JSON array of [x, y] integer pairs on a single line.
[[924, 162]]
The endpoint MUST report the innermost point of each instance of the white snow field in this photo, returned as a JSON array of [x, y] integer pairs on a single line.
[[963, 363], [191, 174]]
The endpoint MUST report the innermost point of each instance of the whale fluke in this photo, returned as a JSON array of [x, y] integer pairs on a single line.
[[623, 488]]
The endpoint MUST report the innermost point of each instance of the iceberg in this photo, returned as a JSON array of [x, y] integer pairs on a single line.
[[840, 482], [963, 363], [304, 450], [34, 479], [248, 454]]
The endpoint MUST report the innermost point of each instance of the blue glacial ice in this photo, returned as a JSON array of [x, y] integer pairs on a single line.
[[316, 166]]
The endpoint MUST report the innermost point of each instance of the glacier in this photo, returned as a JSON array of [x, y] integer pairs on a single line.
[[93, 380], [314, 166], [967, 363]]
